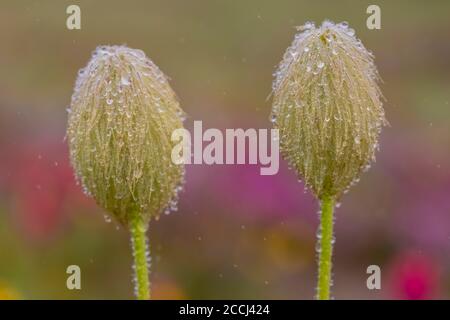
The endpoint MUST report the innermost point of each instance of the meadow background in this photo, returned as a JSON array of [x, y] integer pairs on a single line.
[[237, 234]]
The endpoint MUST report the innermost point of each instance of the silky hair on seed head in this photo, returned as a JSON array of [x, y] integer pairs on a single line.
[[328, 108], [122, 114]]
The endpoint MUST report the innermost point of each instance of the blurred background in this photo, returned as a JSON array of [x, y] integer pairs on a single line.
[[236, 234]]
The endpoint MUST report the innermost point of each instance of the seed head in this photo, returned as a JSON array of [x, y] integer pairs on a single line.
[[328, 107], [122, 114]]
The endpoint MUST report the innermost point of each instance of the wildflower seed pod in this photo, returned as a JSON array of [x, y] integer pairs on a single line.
[[328, 107], [122, 114]]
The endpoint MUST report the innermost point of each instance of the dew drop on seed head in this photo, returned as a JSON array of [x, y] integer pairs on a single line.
[[273, 118], [125, 80], [308, 25], [343, 24]]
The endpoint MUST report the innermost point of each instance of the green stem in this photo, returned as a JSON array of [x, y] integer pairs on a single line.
[[326, 248], [140, 253]]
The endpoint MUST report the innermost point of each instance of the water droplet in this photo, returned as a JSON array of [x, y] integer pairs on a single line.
[[343, 24], [125, 80], [318, 247], [319, 233], [273, 118], [308, 25]]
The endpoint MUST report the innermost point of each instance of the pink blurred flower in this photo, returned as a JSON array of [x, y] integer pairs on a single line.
[[242, 190], [41, 184], [420, 207], [415, 276]]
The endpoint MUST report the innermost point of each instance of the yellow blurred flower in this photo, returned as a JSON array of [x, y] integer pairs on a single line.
[[8, 293]]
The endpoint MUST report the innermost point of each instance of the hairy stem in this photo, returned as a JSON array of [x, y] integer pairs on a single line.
[[140, 253], [326, 248]]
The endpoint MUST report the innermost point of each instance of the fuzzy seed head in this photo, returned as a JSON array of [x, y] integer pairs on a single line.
[[122, 114], [328, 107]]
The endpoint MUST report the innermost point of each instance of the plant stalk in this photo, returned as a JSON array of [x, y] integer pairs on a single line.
[[140, 253], [326, 248]]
